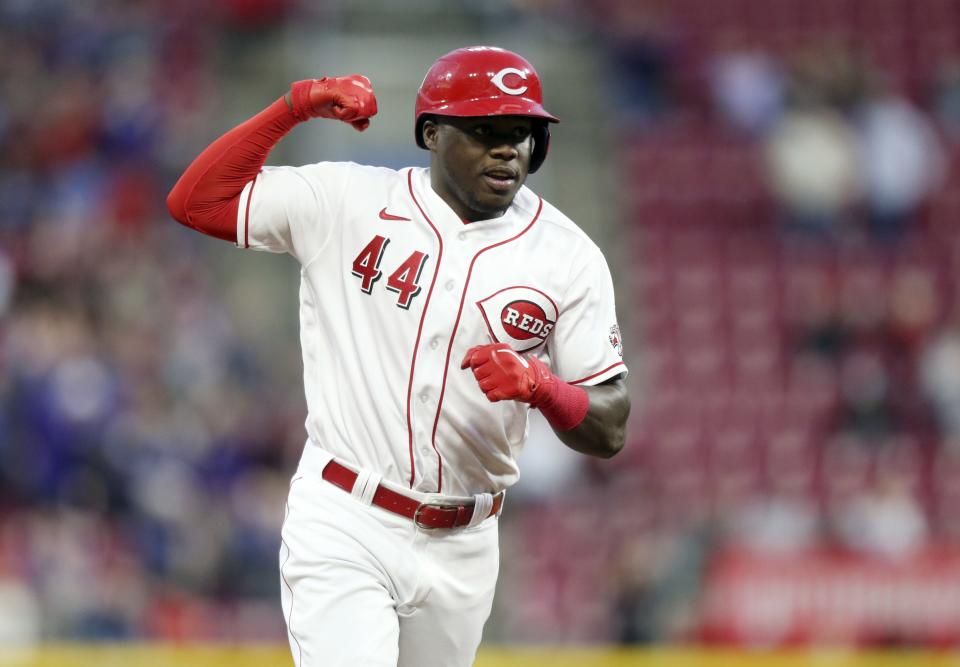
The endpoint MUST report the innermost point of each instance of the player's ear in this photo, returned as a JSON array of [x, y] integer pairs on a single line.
[[430, 132]]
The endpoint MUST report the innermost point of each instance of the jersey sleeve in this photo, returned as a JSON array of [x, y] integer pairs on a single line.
[[291, 209], [586, 348]]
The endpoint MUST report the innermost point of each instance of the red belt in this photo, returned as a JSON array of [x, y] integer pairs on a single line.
[[425, 515]]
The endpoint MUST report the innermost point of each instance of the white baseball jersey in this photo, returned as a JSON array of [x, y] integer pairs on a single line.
[[395, 288]]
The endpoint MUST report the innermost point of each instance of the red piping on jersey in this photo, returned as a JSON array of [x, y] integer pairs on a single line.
[[456, 324], [483, 313], [246, 214], [423, 315], [590, 377], [284, 576]]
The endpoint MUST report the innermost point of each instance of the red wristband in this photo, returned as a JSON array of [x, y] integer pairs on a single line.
[[300, 99], [565, 406]]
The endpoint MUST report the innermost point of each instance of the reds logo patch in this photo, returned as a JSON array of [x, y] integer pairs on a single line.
[[520, 316]]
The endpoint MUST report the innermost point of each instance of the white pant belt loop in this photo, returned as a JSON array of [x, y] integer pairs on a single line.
[[482, 504], [365, 486]]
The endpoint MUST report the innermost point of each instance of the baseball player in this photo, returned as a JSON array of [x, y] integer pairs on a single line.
[[438, 306]]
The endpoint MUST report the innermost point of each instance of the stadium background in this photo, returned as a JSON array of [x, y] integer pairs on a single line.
[[775, 184]]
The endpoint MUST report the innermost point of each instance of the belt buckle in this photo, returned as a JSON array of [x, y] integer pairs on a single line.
[[443, 508]]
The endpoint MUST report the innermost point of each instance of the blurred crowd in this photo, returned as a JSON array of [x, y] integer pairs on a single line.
[[143, 441], [146, 438], [792, 184]]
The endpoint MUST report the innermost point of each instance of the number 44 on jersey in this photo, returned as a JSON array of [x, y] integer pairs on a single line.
[[405, 280]]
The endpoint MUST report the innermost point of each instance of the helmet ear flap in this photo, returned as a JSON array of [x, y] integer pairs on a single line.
[[541, 144]]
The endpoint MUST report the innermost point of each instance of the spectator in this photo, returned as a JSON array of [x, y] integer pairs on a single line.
[[867, 408], [748, 88], [780, 523], [939, 371], [20, 623], [812, 155], [885, 521], [639, 574], [641, 46], [902, 163], [813, 152]]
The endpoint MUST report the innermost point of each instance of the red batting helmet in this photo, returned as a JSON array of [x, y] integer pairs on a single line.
[[485, 81]]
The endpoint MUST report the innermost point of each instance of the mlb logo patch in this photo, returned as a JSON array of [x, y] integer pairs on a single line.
[[615, 339]]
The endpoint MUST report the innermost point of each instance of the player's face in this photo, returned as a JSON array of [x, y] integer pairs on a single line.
[[478, 164]]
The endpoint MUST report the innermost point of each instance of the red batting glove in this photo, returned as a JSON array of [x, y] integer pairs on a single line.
[[505, 375], [346, 98]]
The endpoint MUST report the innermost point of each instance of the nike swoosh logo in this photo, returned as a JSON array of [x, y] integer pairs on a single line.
[[389, 216]]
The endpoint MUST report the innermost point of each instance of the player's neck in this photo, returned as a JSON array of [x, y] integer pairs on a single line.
[[464, 211], [476, 216]]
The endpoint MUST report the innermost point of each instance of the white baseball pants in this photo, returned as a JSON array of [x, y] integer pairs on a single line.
[[362, 586]]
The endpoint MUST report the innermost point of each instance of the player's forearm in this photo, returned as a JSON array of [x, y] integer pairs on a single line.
[[207, 195], [590, 420], [602, 432]]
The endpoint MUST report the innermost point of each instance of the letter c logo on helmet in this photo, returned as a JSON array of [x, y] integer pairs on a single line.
[[459, 84], [497, 80]]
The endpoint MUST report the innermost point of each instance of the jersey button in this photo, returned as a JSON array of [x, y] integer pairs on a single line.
[[424, 397], [450, 285], [434, 343], [462, 236]]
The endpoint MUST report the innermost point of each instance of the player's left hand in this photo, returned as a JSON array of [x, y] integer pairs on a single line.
[[503, 374]]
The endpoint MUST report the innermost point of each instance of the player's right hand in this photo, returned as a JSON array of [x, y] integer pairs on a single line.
[[347, 98]]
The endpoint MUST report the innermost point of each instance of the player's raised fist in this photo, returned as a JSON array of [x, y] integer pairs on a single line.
[[505, 375], [347, 98]]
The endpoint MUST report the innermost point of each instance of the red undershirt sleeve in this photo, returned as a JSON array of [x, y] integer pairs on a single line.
[[206, 197], [566, 407]]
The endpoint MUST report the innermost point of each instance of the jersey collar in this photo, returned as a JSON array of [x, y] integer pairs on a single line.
[[451, 223]]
